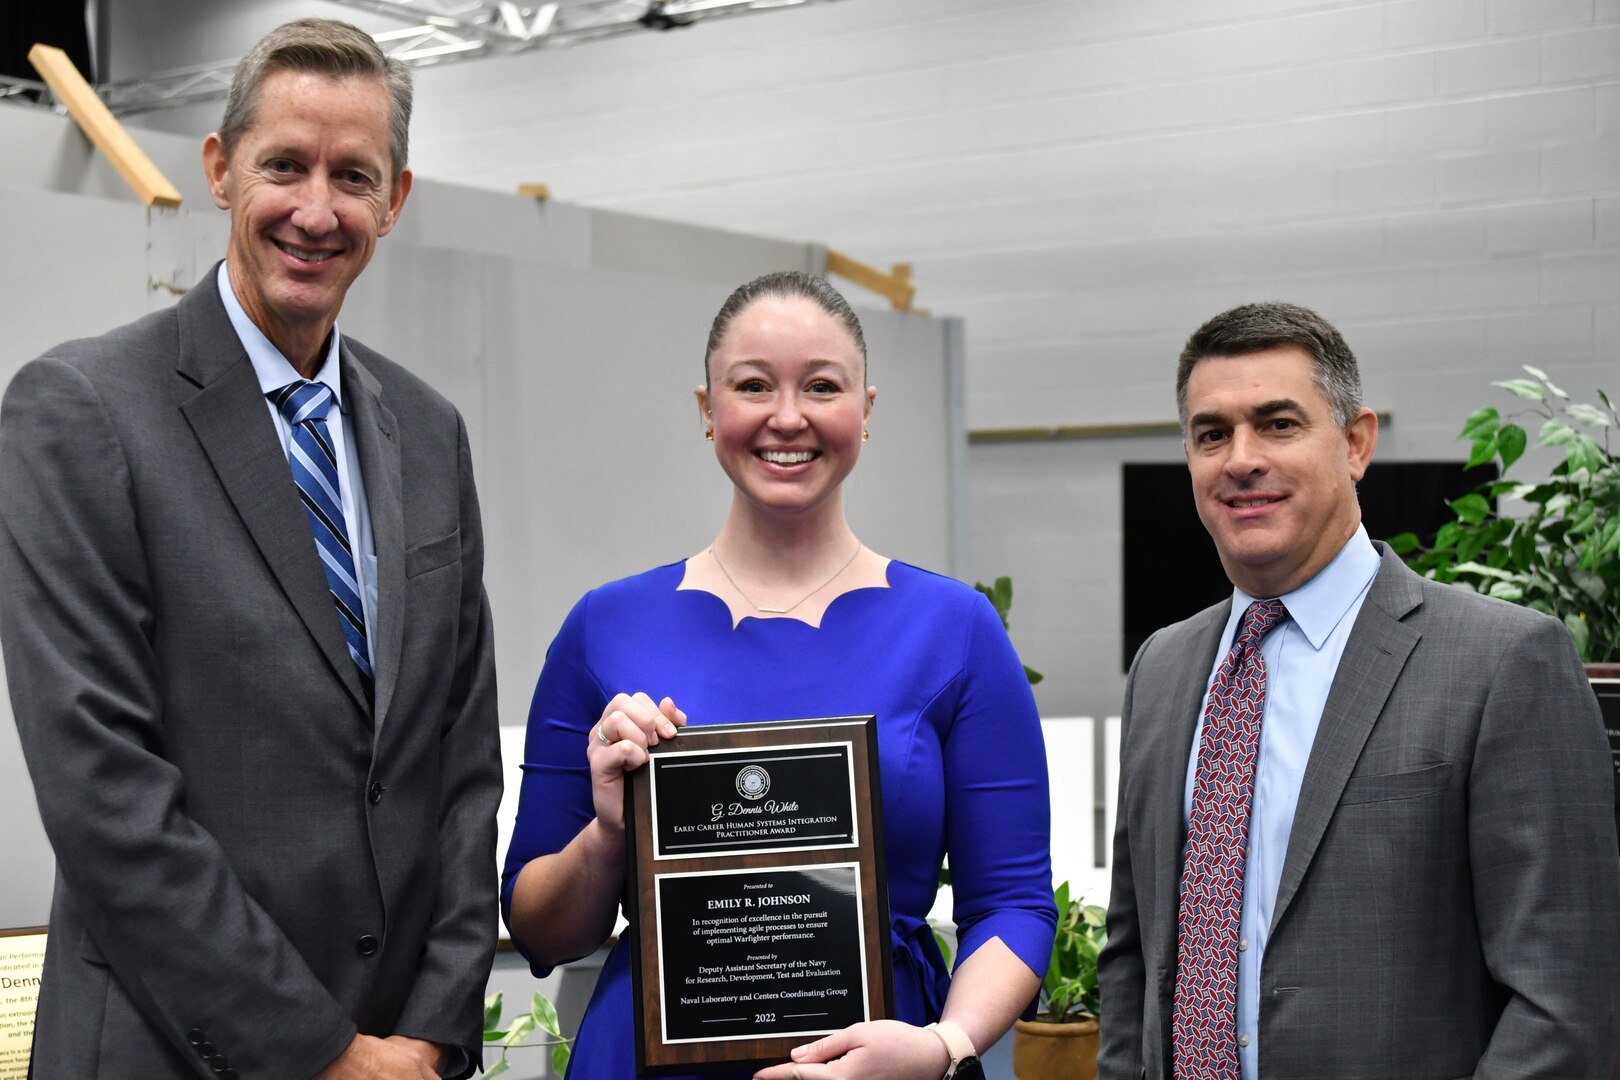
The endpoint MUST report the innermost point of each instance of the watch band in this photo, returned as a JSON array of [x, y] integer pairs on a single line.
[[957, 1045]]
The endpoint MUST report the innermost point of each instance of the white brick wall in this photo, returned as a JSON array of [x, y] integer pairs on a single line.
[[1085, 182]]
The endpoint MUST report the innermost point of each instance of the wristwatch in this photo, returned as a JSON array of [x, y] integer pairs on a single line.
[[964, 1058]]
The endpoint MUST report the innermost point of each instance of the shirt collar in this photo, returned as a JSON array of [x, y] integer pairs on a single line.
[[1318, 606], [273, 369]]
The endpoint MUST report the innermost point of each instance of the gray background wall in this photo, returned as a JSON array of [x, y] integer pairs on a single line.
[[1085, 182]]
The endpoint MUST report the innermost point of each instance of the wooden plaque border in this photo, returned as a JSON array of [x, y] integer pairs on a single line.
[[653, 1055]]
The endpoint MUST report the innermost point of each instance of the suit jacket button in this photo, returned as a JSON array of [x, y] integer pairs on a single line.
[[375, 792], [367, 945], [195, 1037], [218, 1063], [228, 1074]]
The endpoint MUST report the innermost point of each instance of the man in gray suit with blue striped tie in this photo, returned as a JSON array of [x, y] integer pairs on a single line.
[[1366, 821], [246, 637]]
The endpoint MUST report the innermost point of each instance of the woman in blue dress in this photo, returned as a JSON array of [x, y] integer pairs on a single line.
[[788, 614]]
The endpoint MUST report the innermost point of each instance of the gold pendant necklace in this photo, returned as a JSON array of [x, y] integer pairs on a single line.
[[802, 599]]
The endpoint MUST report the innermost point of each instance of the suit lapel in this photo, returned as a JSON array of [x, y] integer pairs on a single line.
[[228, 415], [1185, 700], [374, 430], [1379, 646]]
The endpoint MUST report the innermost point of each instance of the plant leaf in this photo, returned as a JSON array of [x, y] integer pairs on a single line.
[[1581, 633], [1484, 449], [1470, 546], [1506, 590], [520, 1030], [1589, 415], [559, 1059], [1481, 424], [1403, 543], [1537, 372], [1522, 388], [497, 1068], [1555, 433], [1483, 571], [1610, 537], [545, 1015], [492, 1009], [1510, 444], [1522, 548], [1585, 453], [1032, 675], [1471, 508]]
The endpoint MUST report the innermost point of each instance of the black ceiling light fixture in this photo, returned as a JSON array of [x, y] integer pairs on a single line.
[[657, 18], [25, 23]]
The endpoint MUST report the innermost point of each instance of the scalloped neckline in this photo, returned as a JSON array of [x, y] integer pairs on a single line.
[[888, 584]]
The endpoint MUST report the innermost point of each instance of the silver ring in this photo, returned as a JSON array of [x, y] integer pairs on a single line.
[[601, 736]]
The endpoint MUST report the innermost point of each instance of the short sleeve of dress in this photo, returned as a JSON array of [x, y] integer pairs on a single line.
[[554, 802], [997, 807]]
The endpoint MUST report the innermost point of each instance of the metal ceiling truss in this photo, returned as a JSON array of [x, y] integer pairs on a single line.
[[443, 31]]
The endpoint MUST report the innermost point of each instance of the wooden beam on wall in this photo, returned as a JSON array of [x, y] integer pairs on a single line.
[[895, 285], [1071, 432], [96, 121]]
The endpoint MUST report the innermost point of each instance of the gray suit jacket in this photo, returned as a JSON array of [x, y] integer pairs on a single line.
[[1450, 899], [252, 864]]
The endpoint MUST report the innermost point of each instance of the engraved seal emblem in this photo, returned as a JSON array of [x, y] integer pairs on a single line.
[[753, 782]]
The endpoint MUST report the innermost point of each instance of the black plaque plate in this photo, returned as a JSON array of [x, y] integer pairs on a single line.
[[758, 911]]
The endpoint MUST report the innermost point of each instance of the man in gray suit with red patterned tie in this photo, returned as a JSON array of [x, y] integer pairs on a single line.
[[1366, 821], [246, 637]]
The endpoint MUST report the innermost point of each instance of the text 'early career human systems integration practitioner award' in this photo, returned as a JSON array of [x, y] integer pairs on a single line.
[[758, 909]]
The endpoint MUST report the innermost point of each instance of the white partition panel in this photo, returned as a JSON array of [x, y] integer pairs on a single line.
[[1071, 771]]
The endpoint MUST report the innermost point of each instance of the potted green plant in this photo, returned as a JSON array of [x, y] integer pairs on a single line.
[[1562, 557], [1000, 596], [1061, 1042], [541, 1017]]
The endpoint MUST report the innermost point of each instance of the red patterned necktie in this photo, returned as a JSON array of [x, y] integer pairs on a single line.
[[1203, 1032]]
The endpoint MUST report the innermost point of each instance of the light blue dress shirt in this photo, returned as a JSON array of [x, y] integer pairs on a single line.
[[274, 371], [1301, 655]]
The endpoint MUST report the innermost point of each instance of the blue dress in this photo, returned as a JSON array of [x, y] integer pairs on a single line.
[[960, 753]]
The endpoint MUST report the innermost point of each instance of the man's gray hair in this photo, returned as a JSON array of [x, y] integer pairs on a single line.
[[1253, 328], [325, 47]]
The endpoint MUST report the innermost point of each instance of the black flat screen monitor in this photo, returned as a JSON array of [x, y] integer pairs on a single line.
[[1172, 571]]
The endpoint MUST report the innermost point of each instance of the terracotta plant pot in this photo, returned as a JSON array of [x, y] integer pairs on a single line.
[[1043, 1051]]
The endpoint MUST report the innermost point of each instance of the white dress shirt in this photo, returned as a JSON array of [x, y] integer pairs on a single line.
[[1301, 656], [275, 371]]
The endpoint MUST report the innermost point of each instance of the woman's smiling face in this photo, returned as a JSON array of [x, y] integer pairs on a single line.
[[786, 403]]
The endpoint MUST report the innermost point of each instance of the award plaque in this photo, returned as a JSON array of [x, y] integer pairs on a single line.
[[1605, 680], [759, 917]]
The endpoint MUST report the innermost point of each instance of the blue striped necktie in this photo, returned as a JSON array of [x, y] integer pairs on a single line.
[[314, 469]]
